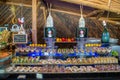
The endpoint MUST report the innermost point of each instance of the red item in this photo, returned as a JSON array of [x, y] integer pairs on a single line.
[[72, 39], [63, 39]]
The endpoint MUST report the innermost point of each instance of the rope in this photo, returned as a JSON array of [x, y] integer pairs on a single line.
[[50, 7], [13, 10], [109, 4], [21, 9], [81, 9]]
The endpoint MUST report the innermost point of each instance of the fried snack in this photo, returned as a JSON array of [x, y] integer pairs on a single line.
[[5, 36]]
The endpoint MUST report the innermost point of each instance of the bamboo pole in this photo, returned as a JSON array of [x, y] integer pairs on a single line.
[[34, 21], [44, 14], [94, 13]]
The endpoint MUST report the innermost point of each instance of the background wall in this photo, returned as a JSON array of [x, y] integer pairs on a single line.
[[65, 24]]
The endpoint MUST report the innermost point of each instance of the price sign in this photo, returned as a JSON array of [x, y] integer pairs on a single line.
[[39, 76], [20, 38], [3, 28]]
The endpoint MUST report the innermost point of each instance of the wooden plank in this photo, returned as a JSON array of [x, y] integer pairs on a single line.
[[34, 21], [17, 4], [91, 4], [115, 19]]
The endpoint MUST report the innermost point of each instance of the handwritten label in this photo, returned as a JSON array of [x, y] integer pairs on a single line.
[[20, 38]]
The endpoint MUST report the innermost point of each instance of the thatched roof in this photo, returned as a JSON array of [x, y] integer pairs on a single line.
[[66, 14]]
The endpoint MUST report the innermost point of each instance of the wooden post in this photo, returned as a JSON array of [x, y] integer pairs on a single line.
[[34, 21]]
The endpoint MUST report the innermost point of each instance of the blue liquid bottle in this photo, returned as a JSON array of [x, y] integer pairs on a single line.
[[105, 35]]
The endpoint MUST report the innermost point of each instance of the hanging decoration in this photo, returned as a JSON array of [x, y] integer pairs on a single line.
[[49, 22], [49, 27], [81, 20], [81, 29]]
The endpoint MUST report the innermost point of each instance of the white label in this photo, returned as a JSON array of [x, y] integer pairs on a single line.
[[46, 53], [2, 71], [21, 77], [39, 76]]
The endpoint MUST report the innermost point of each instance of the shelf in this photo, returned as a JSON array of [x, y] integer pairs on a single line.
[[68, 76], [60, 72], [60, 64]]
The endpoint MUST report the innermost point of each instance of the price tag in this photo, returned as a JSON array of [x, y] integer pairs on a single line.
[[13, 65], [46, 53], [21, 77], [39, 76], [2, 71]]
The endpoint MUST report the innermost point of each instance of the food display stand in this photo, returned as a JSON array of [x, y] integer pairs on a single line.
[[35, 62], [83, 59], [39, 67]]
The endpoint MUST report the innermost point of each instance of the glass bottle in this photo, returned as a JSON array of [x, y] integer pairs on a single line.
[[105, 36]]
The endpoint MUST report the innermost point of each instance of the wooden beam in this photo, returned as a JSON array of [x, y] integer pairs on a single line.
[[94, 5], [109, 21], [114, 18], [34, 21], [17, 4], [67, 12], [99, 15], [94, 13]]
